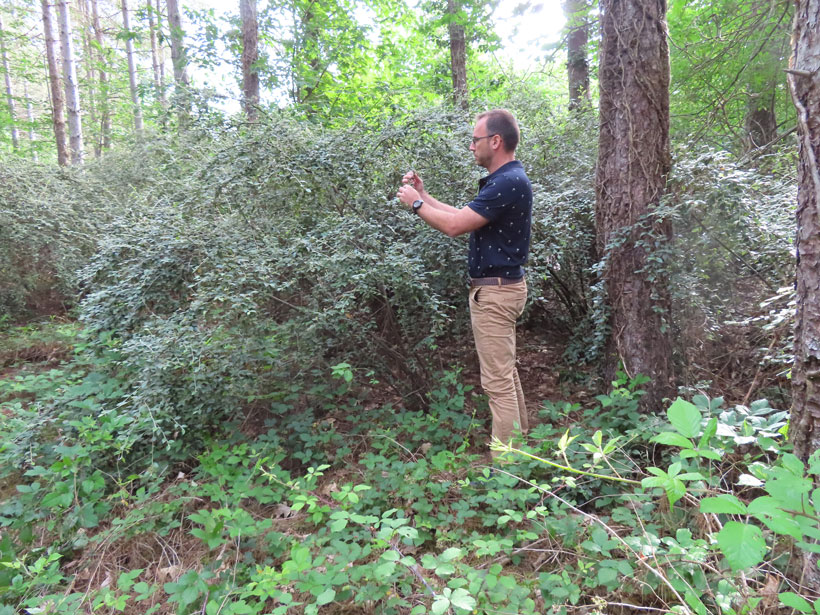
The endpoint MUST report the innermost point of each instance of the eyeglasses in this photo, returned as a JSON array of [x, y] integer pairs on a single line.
[[477, 139]]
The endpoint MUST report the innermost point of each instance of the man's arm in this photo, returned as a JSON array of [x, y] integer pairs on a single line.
[[413, 179], [445, 218], [451, 223]]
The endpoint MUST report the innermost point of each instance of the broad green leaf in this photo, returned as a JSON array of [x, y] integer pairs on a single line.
[[724, 504], [796, 601], [326, 597], [670, 438], [685, 417], [440, 605], [742, 544], [462, 599], [450, 554], [693, 601]]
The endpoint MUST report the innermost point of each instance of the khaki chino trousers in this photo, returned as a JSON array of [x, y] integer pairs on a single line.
[[493, 312]]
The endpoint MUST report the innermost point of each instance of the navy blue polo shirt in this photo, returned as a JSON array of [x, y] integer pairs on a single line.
[[501, 247]]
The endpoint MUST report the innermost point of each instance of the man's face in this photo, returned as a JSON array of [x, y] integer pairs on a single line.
[[481, 147]]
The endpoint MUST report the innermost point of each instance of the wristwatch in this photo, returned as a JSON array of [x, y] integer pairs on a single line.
[[417, 205]]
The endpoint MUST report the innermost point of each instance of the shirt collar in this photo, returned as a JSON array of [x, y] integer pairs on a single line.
[[513, 164]]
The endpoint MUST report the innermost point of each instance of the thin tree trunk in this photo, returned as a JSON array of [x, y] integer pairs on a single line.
[[161, 55], [132, 70], [15, 135], [155, 61], [179, 61], [30, 115], [57, 102], [105, 110], [458, 56], [804, 83], [72, 92], [577, 14], [87, 33], [250, 54], [633, 163]]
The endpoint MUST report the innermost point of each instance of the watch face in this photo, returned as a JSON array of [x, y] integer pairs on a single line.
[[417, 205]]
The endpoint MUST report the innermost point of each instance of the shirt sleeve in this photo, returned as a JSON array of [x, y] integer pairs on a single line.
[[491, 199]]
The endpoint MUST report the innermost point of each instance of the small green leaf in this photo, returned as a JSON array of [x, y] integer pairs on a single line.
[[326, 597], [670, 438], [795, 601], [462, 599], [685, 417], [724, 504], [742, 544], [450, 554]]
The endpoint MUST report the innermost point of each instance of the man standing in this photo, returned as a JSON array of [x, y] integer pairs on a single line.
[[498, 220]]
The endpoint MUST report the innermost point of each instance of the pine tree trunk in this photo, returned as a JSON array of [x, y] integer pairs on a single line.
[[57, 102], [633, 163], [804, 82], [577, 14], [250, 54], [458, 56], [159, 86], [72, 92], [105, 110], [132, 70], [15, 135]]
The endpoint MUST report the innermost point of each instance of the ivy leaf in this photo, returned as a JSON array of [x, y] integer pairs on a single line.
[[742, 544], [685, 417]]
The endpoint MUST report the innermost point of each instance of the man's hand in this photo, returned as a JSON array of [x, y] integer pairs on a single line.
[[407, 195], [414, 180]]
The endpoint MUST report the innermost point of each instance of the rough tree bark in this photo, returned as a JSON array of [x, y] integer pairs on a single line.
[[804, 82], [72, 90], [577, 14], [105, 112], [633, 163], [458, 56], [15, 135], [57, 102], [132, 70], [250, 55], [179, 60]]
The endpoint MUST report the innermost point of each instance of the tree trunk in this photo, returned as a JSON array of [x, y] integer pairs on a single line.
[[633, 163], [161, 55], [15, 136], [159, 84], [88, 54], [577, 14], [250, 55], [57, 103], [72, 92], [804, 83], [105, 112], [761, 122], [458, 56], [179, 60], [30, 115], [132, 70]]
